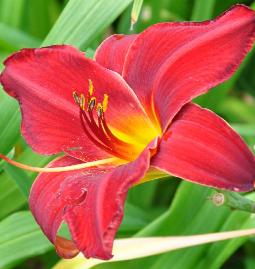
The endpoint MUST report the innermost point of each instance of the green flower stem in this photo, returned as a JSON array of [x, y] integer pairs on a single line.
[[233, 200]]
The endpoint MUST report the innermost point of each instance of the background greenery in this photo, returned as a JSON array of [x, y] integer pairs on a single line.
[[161, 207]]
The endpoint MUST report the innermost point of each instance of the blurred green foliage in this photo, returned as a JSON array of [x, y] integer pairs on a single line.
[[167, 207]]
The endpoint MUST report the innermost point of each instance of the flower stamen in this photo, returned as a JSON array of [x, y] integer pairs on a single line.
[[76, 98], [82, 102], [100, 111], [98, 131], [92, 104]]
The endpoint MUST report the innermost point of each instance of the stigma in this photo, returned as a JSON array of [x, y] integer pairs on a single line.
[[93, 122]]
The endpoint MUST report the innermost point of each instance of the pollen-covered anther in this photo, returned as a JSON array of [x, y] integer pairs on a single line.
[[76, 98], [82, 102], [91, 104], [100, 110], [79, 100]]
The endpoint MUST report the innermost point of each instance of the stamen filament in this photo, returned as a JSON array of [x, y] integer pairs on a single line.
[[94, 140], [94, 128], [111, 135], [84, 126], [60, 169]]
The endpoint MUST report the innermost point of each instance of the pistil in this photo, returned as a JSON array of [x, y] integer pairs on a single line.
[[110, 161]]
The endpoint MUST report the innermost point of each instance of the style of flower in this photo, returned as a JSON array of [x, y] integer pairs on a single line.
[[126, 115]]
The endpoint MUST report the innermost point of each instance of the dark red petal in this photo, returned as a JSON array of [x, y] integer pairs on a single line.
[[200, 146], [171, 63], [43, 81], [112, 52], [90, 201]]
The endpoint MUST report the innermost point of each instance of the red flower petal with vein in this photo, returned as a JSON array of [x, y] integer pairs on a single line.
[[86, 202], [44, 80], [128, 113], [169, 64], [201, 147], [112, 52]]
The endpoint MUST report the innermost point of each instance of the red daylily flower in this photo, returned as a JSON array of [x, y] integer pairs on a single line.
[[130, 108]]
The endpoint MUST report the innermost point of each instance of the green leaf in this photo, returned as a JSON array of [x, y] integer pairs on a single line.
[[20, 178], [192, 213], [10, 197], [217, 254], [202, 10], [13, 39], [197, 215], [20, 238], [28, 156], [246, 81], [24, 179], [236, 110], [146, 191], [90, 17], [134, 219], [9, 124], [40, 16], [181, 8], [244, 129], [188, 200], [249, 263], [11, 12]]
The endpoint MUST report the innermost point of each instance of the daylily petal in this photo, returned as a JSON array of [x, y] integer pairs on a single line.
[[43, 80], [171, 63], [112, 52], [89, 201], [201, 147]]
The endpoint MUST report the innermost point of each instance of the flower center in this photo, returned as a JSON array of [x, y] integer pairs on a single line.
[[93, 122]]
